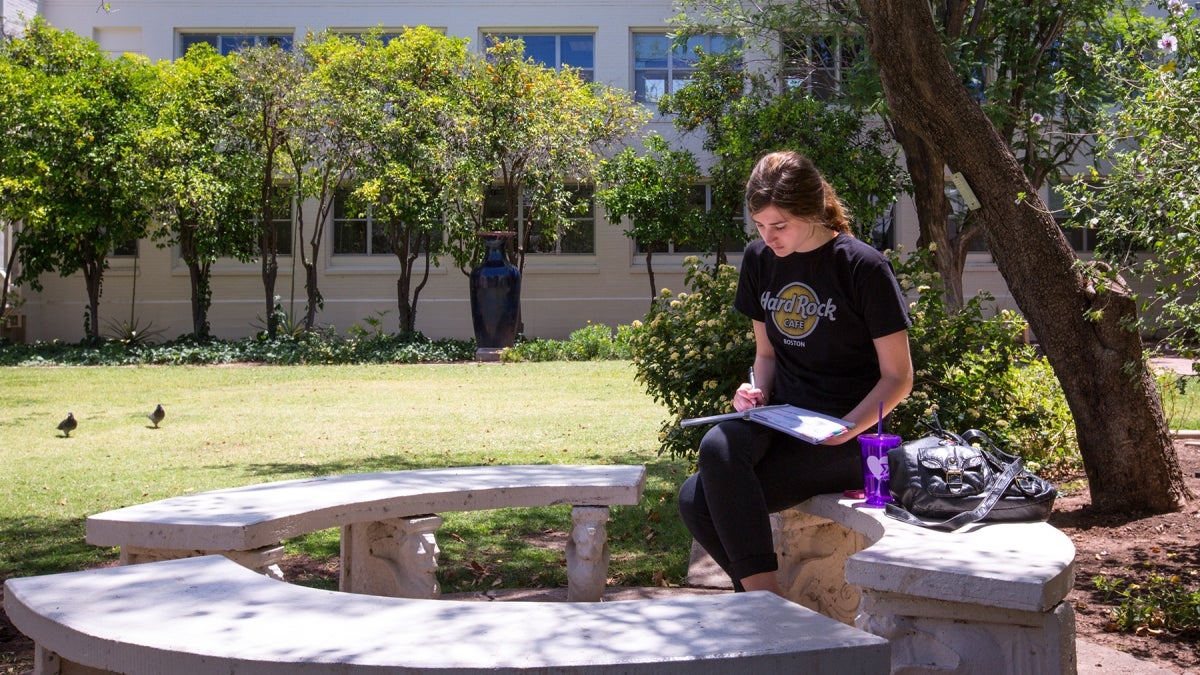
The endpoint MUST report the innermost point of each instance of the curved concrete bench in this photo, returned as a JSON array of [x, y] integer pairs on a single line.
[[210, 615], [988, 598], [387, 521]]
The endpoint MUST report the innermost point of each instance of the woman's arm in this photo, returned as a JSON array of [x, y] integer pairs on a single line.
[[895, 382], [747, 397]]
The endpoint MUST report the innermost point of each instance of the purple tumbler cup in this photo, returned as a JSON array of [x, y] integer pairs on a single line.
[[875, 466]]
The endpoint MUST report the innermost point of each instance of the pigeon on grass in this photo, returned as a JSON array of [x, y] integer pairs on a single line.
[[68, 425]]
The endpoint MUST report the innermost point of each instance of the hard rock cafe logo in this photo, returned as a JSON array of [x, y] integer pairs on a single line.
[[797, 309]]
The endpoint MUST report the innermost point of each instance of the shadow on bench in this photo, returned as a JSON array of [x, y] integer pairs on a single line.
[[210, 615]]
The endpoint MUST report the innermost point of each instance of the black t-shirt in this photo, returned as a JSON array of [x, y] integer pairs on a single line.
[[822, 310]]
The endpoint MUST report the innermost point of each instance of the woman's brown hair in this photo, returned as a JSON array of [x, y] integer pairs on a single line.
[[790, 182]]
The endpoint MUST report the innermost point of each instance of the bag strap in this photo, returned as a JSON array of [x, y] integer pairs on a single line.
[[981, 510]]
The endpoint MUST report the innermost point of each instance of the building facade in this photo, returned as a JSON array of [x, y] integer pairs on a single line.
[[602, 279]]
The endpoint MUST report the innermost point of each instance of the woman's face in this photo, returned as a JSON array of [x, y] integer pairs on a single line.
[[785, 233]]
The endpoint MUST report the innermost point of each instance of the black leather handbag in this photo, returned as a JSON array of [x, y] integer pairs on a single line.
[[945, 481]]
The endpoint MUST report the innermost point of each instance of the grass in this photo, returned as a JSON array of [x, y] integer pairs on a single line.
[[238, 425], [1181, 400]]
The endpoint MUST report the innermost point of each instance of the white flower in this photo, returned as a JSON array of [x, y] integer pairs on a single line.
[[1036, 118], [1088, 48], [1168, 43], [1177, 7]]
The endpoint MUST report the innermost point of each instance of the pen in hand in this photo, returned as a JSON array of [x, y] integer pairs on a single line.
[[754, 385]]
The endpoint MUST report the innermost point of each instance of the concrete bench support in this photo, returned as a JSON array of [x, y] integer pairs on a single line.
[[387, 520], [949, 603], [208, 615]]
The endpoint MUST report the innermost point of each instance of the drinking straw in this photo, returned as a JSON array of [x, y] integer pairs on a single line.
[[879, 428]]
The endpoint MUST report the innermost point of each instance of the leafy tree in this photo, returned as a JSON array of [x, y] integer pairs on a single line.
[[18, 175], [1007, 52], [1147, 200], [537, 131], [398, 103], [81, 143], [1087, 327], [654, 191], [202, 176], [744, 115], [323, 151], [270, 80]]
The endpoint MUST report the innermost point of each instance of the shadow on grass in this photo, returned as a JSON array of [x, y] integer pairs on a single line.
[[33, 546]]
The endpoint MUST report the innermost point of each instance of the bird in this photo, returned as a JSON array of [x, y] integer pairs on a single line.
[[157, 416], [68, 425]]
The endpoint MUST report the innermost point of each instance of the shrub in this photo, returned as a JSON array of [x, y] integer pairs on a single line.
[[693, 349], [590, 343]]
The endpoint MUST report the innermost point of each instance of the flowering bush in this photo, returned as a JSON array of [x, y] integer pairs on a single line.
[[693, 350]]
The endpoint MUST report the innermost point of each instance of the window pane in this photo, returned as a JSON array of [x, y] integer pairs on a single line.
[[650, 51], [381, 244], [227, 44], [284, 42], [350, 237], [542, 48], [283, 237], [186, 40], [650, 86], [578, 51]]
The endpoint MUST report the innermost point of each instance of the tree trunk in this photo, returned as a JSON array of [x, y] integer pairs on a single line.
[[201, 299], [93, 278], [199, 278], [926, 168], [1083, 326]]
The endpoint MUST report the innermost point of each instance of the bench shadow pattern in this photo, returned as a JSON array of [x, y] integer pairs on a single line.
[[209, 615]]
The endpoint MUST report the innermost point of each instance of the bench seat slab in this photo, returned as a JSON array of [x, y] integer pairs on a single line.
[[210, 615], [253, 516]]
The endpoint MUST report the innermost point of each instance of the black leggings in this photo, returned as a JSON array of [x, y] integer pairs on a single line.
[[746, 472]]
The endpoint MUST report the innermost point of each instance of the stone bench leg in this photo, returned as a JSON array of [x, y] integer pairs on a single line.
[[265, 560], [812, 553], [587, 554], [944, 637], [397, 557]]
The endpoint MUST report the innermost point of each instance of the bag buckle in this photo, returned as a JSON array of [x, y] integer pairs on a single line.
[[954, 478]]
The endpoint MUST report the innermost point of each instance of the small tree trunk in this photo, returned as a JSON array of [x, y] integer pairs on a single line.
[[1084, 327], [93, 278]]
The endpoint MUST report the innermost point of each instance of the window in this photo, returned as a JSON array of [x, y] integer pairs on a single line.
[[557, 51], [128, 249], [357, 232], [579, 239], [227, 43], [701, 199], [658, 69], [883, 230], [819, 63], [283, 226]]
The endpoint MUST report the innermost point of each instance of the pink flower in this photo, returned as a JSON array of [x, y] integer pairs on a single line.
[[1036, 119], [1168, 43], [1177, 7]]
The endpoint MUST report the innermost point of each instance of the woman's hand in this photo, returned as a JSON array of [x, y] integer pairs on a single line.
[[748, 396]]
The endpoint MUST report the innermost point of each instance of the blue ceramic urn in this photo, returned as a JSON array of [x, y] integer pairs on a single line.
[[495, 295]]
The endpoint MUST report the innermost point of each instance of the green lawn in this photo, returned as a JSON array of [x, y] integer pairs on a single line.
[[238, 425]]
